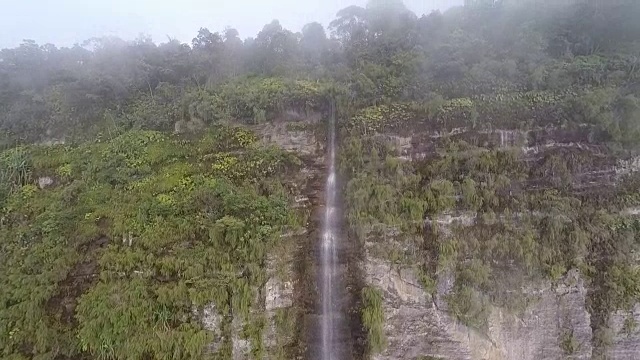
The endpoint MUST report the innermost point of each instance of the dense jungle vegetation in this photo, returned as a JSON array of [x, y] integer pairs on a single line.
[[163, 202]]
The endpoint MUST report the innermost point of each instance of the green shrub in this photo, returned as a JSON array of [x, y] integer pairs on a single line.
[[373, 319]]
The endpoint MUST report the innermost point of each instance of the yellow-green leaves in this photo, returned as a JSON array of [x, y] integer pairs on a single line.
[[137, 149], [150, 228], [376, 118]]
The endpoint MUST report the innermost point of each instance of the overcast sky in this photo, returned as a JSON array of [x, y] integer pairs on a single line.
[[65, 22]]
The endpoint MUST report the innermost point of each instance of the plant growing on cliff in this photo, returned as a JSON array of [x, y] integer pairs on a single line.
[[568, 342], [373, 319], [163, 234], [15, 171]]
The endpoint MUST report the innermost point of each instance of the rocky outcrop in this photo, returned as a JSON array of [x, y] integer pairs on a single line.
[[44, 181], [294, 132], [556, 323], [278, 297], [211, 321], [557, 326], [279, 294], [241, 347], [626, 337], [275, 307]]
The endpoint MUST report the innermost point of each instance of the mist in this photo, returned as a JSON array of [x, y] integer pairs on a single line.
[[67, 22]]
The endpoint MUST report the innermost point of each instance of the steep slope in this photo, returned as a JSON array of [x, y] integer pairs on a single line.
[[149, 231], [527, 248], [166, 201]]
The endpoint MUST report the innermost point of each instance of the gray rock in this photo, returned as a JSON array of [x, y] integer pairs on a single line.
[[279, 294], [44, 182], [626, 341], [211, 321], [303, 142], [241, 346], [416, 327]]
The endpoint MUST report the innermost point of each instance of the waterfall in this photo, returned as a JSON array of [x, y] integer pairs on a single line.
[[329, 253]]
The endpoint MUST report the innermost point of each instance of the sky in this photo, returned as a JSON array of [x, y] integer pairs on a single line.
[[66, 22]]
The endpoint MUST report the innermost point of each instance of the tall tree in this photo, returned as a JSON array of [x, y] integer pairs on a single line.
[[208, 52], [313, 43], [276, 49]]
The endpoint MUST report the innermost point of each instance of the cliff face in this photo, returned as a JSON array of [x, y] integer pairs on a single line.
[[284, 302], [292, 292], [417, 325], [626, 344], [555, 320], [288, 291]]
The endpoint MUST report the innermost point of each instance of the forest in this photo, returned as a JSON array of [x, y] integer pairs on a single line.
[[158, 200]]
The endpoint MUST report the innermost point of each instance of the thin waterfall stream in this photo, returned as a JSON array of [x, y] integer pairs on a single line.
[[329, 254]]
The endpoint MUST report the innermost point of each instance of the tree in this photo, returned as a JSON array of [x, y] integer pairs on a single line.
[[313, 43], [208, 51], [350, 27], [234, 52], [276, 50]]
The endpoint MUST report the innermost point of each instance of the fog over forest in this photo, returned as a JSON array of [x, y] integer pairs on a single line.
[[477, 169], [67, 22]]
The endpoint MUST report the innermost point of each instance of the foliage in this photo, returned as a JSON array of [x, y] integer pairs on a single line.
[[140, 233], [375, 119], [382, 191], [373, 319], [568, 343], [15, 171]]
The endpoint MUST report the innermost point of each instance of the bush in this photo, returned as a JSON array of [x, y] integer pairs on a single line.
[[373, 319]]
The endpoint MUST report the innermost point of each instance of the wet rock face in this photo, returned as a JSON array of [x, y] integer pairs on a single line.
[[274, 308], [416, 325], [241, 346], [626, 341], [279, 294], [282, 291], [556, 323], [294, 131], [212, 321]]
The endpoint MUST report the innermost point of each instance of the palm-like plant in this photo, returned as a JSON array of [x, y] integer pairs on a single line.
[[15, 170]]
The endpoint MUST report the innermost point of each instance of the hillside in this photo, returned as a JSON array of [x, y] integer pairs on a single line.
[[164, 201]]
